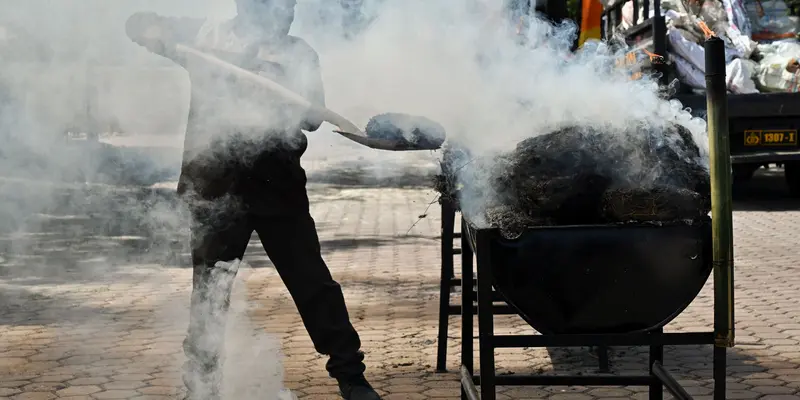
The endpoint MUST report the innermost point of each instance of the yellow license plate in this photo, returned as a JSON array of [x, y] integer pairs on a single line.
[[770, 138]]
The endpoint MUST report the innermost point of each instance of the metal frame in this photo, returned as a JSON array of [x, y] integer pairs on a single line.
[[656, 27], [612, 17], [657, 378], [449, 281]]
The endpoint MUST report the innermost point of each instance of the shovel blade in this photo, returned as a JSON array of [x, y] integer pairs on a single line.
[[382, 144]]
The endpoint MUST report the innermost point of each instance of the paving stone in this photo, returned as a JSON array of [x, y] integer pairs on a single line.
[[88, 381], [117, 334], [571, 396], [34, 396], [13, 384], [53, 378], [5, 392], [43, 387], [78, 391], [115, 394], [741, 394], [159, 390], [124, 385], [773, 389], [609, 392]]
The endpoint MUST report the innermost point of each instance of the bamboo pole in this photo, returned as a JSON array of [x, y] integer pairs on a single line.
[[721, 199]]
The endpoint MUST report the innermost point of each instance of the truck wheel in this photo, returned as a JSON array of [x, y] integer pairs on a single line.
[[792, 175], [744, 172]]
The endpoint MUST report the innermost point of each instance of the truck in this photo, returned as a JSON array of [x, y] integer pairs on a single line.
[[763, 126]]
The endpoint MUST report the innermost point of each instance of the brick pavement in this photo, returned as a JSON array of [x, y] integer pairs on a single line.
[[86, 313]]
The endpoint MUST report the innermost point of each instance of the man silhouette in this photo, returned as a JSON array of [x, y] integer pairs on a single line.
[[241, 173]]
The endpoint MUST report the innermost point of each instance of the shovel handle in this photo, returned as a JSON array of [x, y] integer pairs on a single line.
[[322, 112]]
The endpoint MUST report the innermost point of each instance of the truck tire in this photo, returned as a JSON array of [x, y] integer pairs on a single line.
[[792, 175], [744, 172]]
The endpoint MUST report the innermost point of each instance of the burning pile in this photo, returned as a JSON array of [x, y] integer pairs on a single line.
[[582, 175]]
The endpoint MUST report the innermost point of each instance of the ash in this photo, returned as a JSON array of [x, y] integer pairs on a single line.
[[415, 131], [581, 175]]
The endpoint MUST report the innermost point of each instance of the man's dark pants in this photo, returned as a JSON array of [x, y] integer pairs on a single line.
[[292, 245]]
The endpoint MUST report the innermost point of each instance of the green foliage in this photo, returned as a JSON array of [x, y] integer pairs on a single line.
[[574, 10]]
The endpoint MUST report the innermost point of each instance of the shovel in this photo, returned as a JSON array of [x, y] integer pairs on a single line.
[[345, 127]]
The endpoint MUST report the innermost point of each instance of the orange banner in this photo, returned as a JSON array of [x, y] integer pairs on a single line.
[[591, 14]]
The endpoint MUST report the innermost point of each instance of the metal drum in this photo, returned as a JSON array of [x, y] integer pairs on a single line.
[[600, 278]]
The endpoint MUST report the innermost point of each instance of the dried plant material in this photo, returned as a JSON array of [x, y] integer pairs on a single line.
[[586, 175]]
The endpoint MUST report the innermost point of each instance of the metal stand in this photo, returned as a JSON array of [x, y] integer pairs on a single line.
[[448, 282], [658, 378]]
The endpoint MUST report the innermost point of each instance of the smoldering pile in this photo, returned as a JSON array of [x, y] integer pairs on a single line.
[[582, 175]]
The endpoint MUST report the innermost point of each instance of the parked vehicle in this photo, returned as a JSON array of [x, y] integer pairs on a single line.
[[763, 126]]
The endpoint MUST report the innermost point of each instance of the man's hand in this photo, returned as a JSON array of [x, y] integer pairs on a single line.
[[312, 121]]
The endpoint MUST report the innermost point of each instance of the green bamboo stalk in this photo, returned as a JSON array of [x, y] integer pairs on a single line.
[[721, 198]]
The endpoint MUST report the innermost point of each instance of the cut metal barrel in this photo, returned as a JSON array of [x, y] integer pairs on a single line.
[[601, 278]]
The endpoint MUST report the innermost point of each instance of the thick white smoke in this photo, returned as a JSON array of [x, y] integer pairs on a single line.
[[454, 61], [458, 62]]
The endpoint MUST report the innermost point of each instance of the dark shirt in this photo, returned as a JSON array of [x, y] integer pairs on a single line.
[[242, 142]]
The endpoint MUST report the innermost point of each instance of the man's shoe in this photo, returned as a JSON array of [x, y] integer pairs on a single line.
[[357, 389], [201, 382]]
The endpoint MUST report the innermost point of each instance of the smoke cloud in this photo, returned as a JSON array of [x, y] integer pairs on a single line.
[[460, 63], [69, 72]]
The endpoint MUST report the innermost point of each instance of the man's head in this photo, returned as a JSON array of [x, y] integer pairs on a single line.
[[271, 17]]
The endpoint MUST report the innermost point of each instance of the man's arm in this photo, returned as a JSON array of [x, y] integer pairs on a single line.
[[160, 34]]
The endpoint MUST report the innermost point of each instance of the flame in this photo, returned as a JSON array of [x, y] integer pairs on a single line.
[[654, 58], [706, 30]]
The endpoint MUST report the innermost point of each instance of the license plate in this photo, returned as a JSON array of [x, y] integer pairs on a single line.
[[770, 138]]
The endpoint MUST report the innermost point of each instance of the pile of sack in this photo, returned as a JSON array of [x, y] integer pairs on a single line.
[[761, 38]]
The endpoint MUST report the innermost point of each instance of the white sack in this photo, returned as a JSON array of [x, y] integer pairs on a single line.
[[737, 16], [693, 52], [776, 77], [687, 72], [739, 76]]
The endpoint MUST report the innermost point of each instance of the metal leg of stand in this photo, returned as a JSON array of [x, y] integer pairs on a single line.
[[720, 360], [486, 319], [675, 389], [448, 225], [602, 359], [656, 355], [451, 224], [467, 344]]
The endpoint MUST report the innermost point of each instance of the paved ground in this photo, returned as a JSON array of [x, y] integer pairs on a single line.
[[91, 307]]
